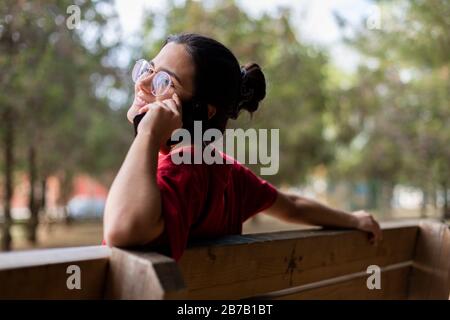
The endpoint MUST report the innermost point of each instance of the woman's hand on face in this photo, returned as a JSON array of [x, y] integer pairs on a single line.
[[161, 119], [366, 222]]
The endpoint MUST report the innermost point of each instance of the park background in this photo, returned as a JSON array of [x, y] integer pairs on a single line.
[[359, 90]]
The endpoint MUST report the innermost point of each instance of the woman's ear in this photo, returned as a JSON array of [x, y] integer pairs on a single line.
[[211, 111]]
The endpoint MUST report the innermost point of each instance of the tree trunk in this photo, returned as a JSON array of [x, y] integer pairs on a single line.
[[66, 181], [435, 200], [43, 200], [423, 207], [446, 209], [386, 199], [33, 203], [372, 194], [8, 143]]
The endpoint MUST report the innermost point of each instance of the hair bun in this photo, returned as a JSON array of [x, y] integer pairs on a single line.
[[253, 87]]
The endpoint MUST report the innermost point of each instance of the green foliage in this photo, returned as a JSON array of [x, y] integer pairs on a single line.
[[389, 121], [52, 79], [400, 102]]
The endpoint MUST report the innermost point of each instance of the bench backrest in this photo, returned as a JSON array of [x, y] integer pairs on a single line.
[[414, 261]]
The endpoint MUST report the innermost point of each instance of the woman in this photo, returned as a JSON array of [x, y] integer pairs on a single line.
[[155, 201]]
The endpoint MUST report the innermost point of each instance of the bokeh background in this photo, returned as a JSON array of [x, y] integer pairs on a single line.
[[359, 90]]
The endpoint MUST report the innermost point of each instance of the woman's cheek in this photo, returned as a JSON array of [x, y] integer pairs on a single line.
[[136, 88]]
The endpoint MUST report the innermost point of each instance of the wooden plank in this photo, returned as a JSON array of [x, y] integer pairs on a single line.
[[430, 277], [42, 274], [393, 286], [275, 261], [246, 266], [143, 275], [30, 258]]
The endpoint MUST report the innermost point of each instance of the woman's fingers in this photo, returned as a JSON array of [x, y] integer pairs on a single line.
[[376, 231], [172, 105], [162, 118], [144, 109], [369, 224], [177, 102], [168, 104]]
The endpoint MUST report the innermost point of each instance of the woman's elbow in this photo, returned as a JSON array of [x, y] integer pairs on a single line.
[[128, 233], [117, 236]]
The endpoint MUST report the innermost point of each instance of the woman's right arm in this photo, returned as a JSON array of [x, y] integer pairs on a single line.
[[133, 207]]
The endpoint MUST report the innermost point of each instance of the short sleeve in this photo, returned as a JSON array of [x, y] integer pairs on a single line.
[[182, 197], [257, 193]]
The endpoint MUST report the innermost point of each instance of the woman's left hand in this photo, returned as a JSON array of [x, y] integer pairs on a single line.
[[366, 222]]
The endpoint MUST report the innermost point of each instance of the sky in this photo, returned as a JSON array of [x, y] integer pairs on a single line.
[[313, 19]]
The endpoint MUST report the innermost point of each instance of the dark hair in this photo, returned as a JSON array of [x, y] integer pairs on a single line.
[[220, 81]]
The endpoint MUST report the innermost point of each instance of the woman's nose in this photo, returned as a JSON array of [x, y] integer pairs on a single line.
[[145, 84]]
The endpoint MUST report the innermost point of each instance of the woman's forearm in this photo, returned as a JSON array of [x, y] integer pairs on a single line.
[[296, 209], [133, 207], [312, 212]]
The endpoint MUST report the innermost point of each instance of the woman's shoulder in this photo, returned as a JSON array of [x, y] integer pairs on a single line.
[[191, 159], [175, 164], [179, 156]]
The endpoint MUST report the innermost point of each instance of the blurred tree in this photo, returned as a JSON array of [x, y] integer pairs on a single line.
[[397, 109], [56, 84]]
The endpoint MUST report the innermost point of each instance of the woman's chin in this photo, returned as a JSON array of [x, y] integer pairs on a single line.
[[131, 115], [134, 110]]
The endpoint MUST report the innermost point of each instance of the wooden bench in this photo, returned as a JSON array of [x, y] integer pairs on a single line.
[[414, 259]]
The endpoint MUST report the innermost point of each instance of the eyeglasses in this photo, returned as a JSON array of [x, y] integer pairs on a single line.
[[161, 81]]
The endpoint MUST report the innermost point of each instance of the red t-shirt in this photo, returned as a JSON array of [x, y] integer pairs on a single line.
[[207, 200]]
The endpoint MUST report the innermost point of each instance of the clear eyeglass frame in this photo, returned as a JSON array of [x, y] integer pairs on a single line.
[[161, 81]]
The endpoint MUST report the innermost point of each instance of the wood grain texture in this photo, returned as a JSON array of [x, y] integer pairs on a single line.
[[42, 274], [430, 277], [393, 285], [141, 275], [301, 264], [258, 264]]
